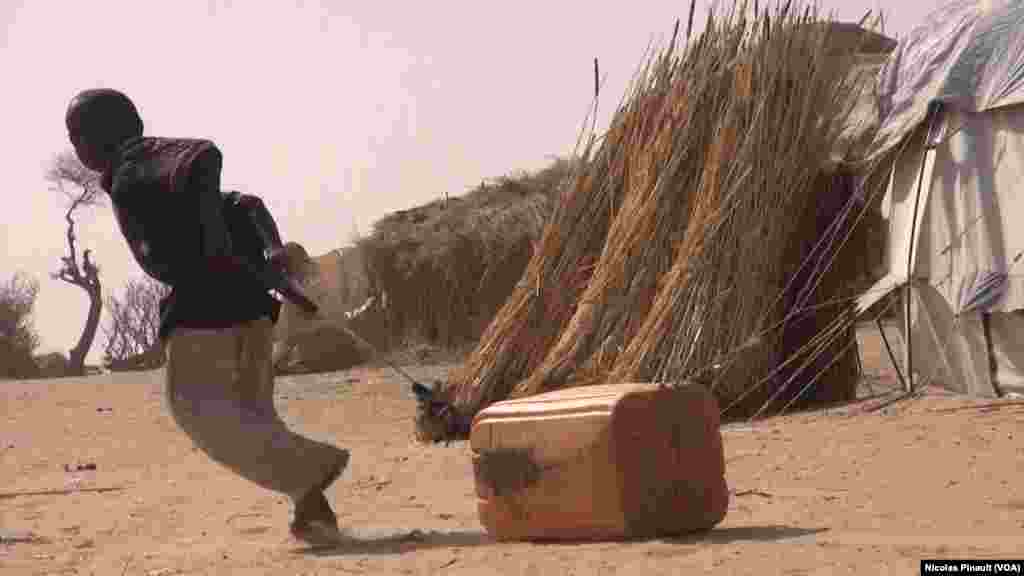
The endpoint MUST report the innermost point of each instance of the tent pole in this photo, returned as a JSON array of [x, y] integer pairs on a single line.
[[860, 363], [907, 287], [909, 384], [856, 355], [934, 108], [892, 356], [993, 366]]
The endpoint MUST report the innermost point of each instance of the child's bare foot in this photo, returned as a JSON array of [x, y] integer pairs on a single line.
[[315, 523]]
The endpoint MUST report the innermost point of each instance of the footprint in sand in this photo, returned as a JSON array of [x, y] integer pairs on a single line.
[[249, 524]]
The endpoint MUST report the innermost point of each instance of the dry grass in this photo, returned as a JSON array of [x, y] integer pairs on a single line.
[[700, 235], [443, 269]]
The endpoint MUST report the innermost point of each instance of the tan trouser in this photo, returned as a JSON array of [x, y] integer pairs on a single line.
[[220, 390]]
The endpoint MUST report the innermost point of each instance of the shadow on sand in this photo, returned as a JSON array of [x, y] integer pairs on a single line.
[[770, 533], [726, 535], [379, 542], [408, 541]]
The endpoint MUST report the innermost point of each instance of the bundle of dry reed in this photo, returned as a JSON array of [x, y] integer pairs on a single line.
[[681, 251]]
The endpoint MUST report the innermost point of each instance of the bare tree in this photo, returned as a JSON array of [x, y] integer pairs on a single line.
[[18, 338], [132, 332], [81, 187]]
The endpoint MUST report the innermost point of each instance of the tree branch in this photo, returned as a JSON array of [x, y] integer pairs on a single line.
[[71, 261], [92, 272], [66, 168]]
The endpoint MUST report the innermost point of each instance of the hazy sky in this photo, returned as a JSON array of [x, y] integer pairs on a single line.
[[336, 113]]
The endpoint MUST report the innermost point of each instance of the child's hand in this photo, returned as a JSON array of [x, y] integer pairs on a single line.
[[278, 258], [309, 314]]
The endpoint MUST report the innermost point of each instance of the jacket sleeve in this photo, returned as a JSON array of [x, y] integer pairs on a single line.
[[204, 187], [262, 221], [212, 247]]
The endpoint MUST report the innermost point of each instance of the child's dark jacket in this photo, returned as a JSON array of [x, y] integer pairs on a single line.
[[182, 231]]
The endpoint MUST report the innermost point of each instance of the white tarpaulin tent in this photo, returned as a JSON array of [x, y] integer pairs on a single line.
[[951, 98]]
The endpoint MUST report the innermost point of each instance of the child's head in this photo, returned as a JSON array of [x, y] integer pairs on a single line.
[[98, 122]]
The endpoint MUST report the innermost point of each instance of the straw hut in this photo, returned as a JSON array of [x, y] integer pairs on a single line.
[[709, 235], [439, 272]]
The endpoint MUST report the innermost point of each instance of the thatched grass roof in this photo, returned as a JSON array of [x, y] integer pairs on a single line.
[[441, 270], [699, 237]]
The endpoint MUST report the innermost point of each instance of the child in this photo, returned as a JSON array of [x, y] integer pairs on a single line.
[[217, 320]]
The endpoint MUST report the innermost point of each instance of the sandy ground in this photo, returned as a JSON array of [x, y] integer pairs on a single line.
[[847, 491]]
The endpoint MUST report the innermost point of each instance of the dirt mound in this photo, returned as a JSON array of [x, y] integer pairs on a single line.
[[325, 348]]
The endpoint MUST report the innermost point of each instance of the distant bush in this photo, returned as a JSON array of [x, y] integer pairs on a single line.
[[52, 365], [132, 332], [18, 337]]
